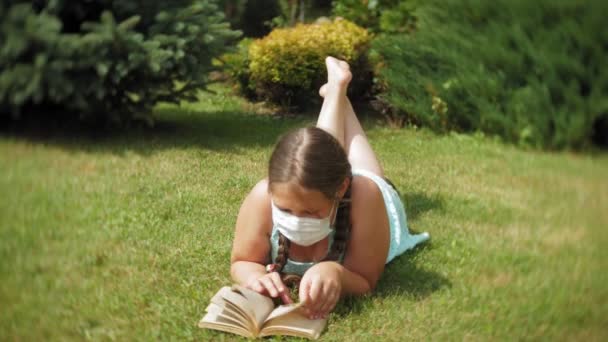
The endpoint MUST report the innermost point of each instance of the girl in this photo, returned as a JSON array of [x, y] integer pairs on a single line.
[[325, 213]]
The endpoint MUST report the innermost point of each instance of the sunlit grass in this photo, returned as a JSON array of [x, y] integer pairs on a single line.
[[127, 236]]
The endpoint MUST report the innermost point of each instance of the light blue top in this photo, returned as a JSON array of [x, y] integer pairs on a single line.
[[400, 238]]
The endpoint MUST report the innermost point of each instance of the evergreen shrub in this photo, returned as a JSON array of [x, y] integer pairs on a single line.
[[287, 67], [107, 61], [531, 72]]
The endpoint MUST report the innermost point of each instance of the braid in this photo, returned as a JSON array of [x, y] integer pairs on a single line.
[[342, 227], [282, 253], [290, 280]]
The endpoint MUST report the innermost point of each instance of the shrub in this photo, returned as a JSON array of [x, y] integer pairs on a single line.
[[236, 65], [287, 66], [105, 60], [528, 71], [378, 16]]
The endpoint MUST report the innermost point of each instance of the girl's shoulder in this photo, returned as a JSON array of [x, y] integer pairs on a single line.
[[256, 205], [366, 197], [364, 188], [260, 189]]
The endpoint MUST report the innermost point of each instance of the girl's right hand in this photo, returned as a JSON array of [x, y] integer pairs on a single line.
[[270, 284]]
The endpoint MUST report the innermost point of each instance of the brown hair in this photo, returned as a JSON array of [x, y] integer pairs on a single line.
[[315, 160]]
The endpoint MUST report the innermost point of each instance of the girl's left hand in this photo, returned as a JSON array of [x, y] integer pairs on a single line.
[[320, 289]]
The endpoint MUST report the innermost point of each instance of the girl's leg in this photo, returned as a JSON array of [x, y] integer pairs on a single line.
[[360, 152], [332, 114], [339, 109]]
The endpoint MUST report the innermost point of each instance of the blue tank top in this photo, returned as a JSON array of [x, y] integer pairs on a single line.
[[292, 266]]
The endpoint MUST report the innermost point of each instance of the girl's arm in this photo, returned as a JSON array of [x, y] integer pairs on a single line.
[[369, 240], [246, 272], [324, 283], [251, 245]]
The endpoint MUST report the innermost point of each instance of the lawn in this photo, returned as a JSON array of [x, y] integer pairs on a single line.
[[126, 236]]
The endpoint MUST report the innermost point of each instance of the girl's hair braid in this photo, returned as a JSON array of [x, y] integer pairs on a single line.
[[342, 227], [282, 253]]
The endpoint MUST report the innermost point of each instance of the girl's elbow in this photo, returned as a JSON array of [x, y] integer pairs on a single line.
[[371, 286], [366, 288]]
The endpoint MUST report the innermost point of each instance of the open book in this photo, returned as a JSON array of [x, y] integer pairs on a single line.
[[241, 311]]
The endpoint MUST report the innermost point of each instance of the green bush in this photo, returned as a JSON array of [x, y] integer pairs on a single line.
[[236, 65], [105, 60], [529, 71], [287, 66], [378, 15]]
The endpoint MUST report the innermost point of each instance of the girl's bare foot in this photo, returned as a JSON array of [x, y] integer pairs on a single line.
[[338, 74]]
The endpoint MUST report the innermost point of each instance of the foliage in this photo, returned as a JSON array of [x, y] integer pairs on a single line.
[[256, 18], [530, 72], [287, 66], [236, 65], [105, 60], [378, 15]]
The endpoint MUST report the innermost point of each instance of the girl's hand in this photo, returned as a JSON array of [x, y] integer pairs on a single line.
[[320, 289], [270, 284]]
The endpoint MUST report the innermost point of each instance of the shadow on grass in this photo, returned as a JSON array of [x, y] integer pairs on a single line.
[[403, 277], [176, 127], [416, 203]]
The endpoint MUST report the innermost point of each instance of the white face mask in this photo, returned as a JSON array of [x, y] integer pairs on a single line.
[[303, 231]]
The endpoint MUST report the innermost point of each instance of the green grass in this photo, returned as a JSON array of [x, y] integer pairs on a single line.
[[126, 236]]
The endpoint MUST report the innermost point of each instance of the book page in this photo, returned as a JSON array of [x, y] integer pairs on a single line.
[[219, 300], [290, 320], [226, 314], [214, 320], [283, 310], [262, 305], [238, 303]]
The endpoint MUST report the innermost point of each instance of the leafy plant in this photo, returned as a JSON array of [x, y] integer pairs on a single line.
[[378, 15], [287, 66], [236, 65], [105, 60], [530, 72]]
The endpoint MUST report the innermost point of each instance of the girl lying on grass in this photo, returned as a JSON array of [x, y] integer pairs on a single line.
[[325, 216]]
